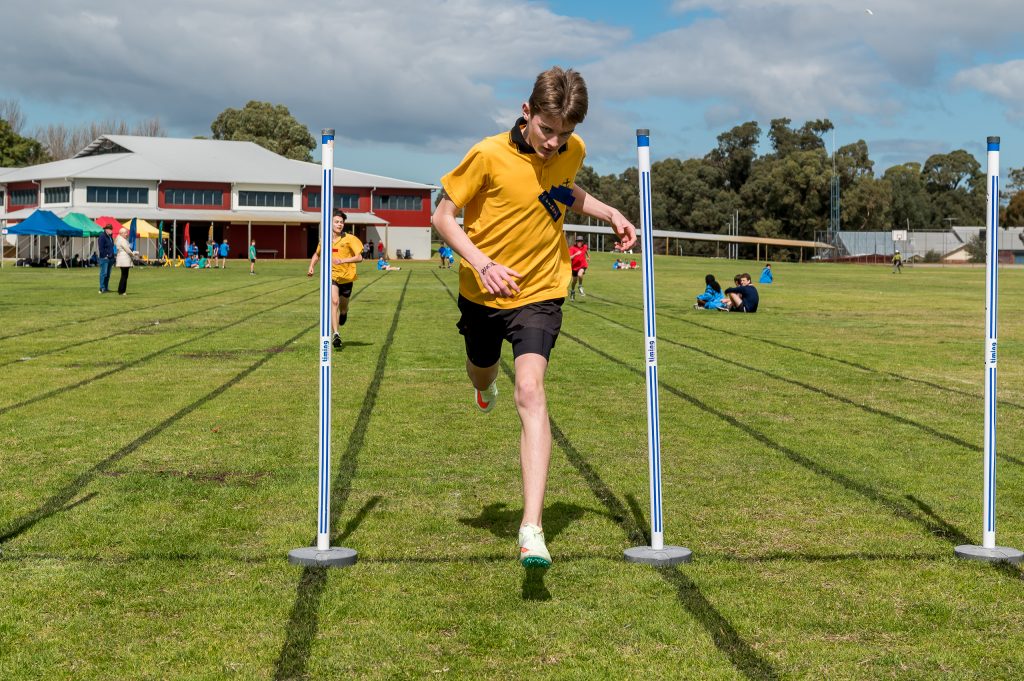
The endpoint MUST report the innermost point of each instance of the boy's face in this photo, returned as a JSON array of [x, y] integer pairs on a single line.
[[545, 134], [338, 224], [744, 281]]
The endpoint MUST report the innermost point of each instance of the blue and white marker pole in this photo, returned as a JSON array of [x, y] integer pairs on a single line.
[[988, 551], [323, 554], [657, 553]]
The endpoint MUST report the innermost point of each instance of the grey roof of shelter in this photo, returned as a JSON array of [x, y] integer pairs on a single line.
[[1009, 237], [881, 243], [192, 160]]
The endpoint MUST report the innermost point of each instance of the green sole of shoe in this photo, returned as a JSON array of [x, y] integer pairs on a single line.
[[535, 562]]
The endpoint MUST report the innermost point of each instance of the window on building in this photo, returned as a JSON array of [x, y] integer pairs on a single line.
[[117, 195], [397, 202], [265, 199], [57, 194], [24, 197], [194, 197], [340, 200]]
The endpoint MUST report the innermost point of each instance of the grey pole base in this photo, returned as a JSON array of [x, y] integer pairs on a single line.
[[670, 555], [311, 556], [1000, 554]]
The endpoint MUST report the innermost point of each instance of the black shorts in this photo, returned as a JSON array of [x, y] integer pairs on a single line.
[[344, 290], [576, 273], [532, 329]]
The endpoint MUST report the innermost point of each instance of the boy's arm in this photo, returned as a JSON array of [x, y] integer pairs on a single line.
[[497, 279], [312, 264], [585, 204]]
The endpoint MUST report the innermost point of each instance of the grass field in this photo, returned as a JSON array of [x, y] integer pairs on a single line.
[[822, 459]]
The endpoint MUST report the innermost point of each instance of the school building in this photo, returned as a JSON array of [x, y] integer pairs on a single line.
[[239, 189]]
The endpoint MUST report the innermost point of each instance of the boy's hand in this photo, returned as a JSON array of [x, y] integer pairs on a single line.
[[499, 280], [624, 229]]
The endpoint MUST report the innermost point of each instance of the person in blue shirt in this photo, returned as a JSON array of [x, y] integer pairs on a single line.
[[766, 274], [190, 261], [223, 253], [382, 264], [712, 298], [106, 256]]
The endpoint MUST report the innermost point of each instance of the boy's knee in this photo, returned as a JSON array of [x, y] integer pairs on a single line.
[[529, 393]]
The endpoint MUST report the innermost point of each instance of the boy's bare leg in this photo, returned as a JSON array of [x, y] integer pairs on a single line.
[[335, 302], [535, 440], [735, 300]]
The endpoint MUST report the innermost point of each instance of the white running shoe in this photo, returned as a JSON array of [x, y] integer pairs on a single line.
[[532, 551], [485, 398], [581, 291]]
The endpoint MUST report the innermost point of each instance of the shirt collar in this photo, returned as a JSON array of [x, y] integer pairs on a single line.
[[516, 138]]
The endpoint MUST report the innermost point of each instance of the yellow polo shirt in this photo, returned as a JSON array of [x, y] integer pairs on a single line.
[[498, 184], [344, 246]]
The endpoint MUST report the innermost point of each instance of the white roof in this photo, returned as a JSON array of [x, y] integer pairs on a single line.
[[129, 157]]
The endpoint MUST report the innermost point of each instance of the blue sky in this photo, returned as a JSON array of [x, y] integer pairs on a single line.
[[410, 85]]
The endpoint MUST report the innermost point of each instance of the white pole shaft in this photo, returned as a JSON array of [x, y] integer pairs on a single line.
[[323, 535], [991, 343], [643, 149]]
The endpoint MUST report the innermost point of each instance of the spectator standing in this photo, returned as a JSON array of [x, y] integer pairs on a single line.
[[107, 253], [252, 258], [123, 260], [224, 253]]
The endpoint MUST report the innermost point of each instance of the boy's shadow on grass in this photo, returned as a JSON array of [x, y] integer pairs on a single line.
[[503, 523], [355, 344]]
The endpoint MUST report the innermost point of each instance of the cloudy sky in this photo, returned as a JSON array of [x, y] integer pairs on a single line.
[[410, 84]]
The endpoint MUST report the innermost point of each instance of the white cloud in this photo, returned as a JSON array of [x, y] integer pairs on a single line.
[[417, 72], [1003, 81]]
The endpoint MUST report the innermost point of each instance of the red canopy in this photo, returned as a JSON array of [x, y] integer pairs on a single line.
[[105, 220]]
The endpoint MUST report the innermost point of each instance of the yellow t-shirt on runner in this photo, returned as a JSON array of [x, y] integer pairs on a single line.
[[344, 246], [511, 213]]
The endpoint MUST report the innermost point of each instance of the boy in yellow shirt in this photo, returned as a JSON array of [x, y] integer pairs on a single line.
[[346, 251], [514, 189]]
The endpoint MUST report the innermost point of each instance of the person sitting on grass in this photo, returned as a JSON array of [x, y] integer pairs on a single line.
[[633, 265], [203, 263], [382, 264], [712, 298], [617, 265], [191, 262], [742, 297], [766, 275]]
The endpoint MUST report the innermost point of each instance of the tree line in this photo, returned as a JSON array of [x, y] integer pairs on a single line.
[[786, 191]]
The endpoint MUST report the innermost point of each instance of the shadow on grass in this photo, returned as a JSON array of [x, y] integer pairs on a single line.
[[534, 588], [504, 522], [741, 654], [812, 353], [127, 365], [122, 312], [820, 391], [304, 620], [60, 500], [924, 518]]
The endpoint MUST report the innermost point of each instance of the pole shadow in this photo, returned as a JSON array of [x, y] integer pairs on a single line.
[[140, 329], [304, 620], [122, 312], [723, 634], [818, 355], [902, 420], [59, 500]]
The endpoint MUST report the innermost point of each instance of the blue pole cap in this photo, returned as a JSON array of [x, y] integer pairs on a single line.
[[993, 144], [643, 137]]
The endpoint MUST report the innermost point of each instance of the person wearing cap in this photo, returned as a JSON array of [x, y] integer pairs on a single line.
[[513, 189], [578, 261], [346, 251], [123, 259], [897, 263], [107, 251]]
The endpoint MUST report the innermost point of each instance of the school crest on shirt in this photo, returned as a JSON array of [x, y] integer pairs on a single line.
[[551, 198]]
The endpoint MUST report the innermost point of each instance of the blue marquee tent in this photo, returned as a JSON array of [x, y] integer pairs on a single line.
[[44, 223]]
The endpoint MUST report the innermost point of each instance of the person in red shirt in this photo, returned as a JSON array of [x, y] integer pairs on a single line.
[[578, 261]]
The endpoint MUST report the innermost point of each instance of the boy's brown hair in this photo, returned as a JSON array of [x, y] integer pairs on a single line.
[[561, 94]]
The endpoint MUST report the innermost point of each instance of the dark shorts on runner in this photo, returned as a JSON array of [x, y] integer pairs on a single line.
[[532, 328], [344, 290], [576, 273]]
